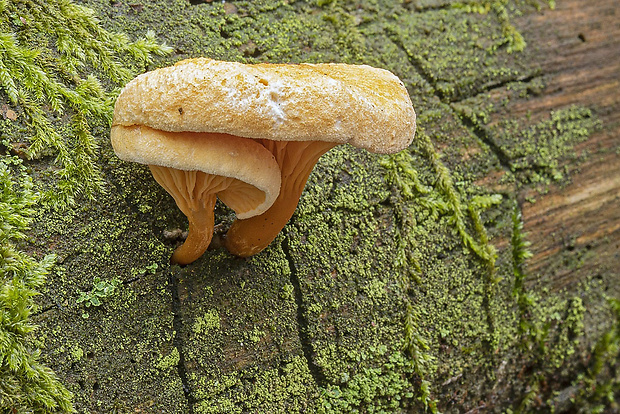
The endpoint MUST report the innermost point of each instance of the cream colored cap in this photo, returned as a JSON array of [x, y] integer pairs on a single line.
[[357, 104]]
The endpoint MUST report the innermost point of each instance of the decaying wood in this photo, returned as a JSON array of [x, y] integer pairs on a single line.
[[321, 316], [578, 48]]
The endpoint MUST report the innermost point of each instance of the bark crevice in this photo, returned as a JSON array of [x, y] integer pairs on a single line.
[[177, 324], [302, 321]]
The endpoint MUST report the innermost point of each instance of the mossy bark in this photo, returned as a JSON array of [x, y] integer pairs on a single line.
[[475, 271]]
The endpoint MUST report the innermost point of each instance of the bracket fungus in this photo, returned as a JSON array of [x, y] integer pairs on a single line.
[[285, 116]]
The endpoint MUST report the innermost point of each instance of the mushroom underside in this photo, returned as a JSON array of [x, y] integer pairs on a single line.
[[296, 160], [195, 193]]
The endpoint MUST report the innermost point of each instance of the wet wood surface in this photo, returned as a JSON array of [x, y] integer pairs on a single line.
[[578, 45]]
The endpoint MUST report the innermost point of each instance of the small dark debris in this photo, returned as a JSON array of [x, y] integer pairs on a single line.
[[20, 149]]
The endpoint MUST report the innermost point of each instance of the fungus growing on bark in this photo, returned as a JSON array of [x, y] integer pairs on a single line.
[[297, 112], [195, 167]]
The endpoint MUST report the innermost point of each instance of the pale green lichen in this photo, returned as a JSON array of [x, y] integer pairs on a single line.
[[374, 389], [210, 320], [536, 152], [169, 361], [286, 388], [512, 36]]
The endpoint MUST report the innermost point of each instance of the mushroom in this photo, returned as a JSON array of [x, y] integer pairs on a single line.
[[195, 167], [295, 111]]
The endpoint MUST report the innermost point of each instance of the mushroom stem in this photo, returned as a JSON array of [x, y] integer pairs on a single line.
[[199, 236], [195, 195], [296, 160]]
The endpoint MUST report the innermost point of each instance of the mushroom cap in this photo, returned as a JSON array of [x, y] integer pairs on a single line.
[[357, 104], [215, 154]]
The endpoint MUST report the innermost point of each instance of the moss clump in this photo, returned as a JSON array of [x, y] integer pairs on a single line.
[[57, 66], [25, 384]]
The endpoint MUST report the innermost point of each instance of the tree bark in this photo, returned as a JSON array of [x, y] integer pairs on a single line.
[[475, 272]]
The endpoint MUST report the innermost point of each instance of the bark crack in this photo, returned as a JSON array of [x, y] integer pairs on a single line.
[[302, 322], [491, 86], [483, 135], [46, 309], [177, 325], [395, 38]]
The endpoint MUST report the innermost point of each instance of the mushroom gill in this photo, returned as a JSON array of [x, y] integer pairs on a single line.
[[196, 168], [195, 193], [296, 159]]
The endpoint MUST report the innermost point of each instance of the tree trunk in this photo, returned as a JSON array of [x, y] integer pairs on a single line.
[[476, 271]]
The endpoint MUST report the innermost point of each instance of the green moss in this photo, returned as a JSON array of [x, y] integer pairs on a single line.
[[256, 335], [437, 201], [557, 333], [56, 67], [87, 244], [455, 72], [124, 338], [25, 383], [77, 353]]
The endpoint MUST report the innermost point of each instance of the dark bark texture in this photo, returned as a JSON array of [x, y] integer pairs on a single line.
[[475, 272]]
